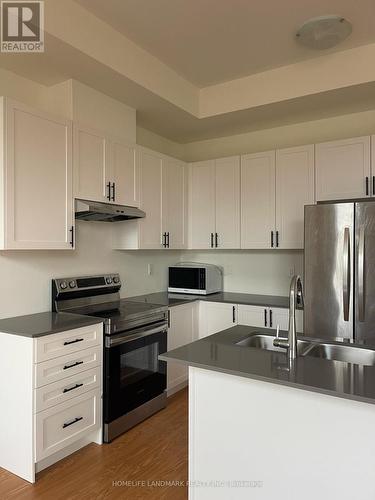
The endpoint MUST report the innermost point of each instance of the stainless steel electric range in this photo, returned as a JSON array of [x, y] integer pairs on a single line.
[[135, 334]]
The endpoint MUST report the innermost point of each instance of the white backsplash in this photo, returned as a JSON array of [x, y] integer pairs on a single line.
[[265, 272], [25, 285]]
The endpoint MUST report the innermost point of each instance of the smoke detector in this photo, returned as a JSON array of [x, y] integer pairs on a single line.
[[323, 32]]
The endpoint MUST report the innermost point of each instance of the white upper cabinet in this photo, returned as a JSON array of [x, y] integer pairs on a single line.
[[174, 203], [294, 190], [202, 204], [91, 165], [215, 204], [342, 169], [105, 168], [257, 199], [227, 202], [275, 187], [162, 195], [125, 174], [150, 227], [37, 171]]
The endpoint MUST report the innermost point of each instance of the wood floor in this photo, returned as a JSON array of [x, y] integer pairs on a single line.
[[155, 450]]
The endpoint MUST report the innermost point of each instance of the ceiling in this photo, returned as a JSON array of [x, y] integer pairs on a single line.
[[212, 41], [62, 62], [202, 40]]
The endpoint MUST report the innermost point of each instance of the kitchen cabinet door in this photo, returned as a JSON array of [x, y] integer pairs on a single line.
[[91, 165], [150, 227], [174, 201], [216, 316], [342, 169], [124, 174], [256, 316], [279, 316], [202, 205], [227, 202], [181, 331], [294, 190], [257, 200], [37, 173]]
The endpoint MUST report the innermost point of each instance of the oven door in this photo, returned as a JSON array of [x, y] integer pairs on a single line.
[[133, 373]]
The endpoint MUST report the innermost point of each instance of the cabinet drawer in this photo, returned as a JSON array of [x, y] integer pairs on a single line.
[[58, 344], [52, 394], [66, 366], [63, 424]]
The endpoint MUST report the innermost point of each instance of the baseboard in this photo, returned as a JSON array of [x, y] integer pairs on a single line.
[[177, 388], [59, 455]]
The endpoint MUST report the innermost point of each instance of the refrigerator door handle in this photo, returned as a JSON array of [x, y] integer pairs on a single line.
[[346, 273], [361, 274]]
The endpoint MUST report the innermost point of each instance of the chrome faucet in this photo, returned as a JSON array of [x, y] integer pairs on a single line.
[[295, 293]]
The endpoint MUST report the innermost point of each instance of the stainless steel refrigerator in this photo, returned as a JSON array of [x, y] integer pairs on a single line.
[[339, 272]]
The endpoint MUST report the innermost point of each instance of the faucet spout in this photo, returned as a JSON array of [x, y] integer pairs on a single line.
[[295, 295]]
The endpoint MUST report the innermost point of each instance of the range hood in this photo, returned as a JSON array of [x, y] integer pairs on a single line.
[[105, 212]]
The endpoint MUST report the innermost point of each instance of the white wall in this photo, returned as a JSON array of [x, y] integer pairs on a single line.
[[249, 271], [327, 129], [96, 110], [25, 285], [161, 144]]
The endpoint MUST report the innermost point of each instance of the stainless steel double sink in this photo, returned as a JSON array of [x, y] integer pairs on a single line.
[[334, 352]]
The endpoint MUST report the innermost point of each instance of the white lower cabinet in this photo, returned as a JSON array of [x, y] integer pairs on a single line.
[[253, 316], [268, 317], [61, 425], [52, 406], [61, 391], [216, 316], [182, 328]]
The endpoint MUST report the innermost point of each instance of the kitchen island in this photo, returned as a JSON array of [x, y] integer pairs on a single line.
[[263, 427]]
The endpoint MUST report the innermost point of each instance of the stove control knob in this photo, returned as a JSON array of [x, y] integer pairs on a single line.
[[116, 280], [63, 285], [72, 284], [108, 280]]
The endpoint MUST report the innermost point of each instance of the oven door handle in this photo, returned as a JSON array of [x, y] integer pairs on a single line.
[[124, 339]]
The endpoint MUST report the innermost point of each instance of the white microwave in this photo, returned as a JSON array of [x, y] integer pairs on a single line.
[[198, 279]]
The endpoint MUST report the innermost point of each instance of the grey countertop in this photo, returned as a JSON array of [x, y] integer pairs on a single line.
[[219, 353], [174, 299], [39, 324], [45, 323]]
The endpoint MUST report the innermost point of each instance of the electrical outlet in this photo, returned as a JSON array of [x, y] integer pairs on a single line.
[[149, 269]]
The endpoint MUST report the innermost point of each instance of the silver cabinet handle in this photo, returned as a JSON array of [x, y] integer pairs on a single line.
[[361, 274], [346, 273]]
